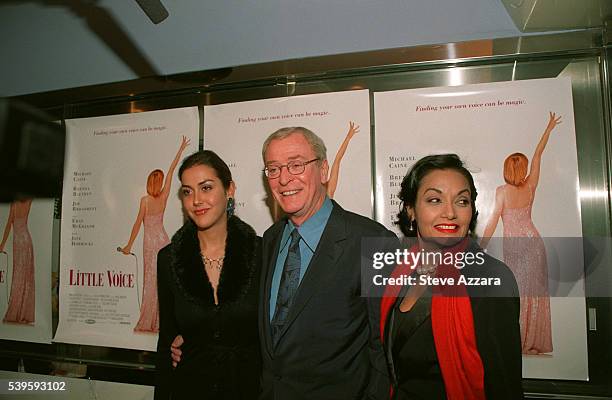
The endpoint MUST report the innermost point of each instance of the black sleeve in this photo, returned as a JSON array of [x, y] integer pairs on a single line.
[[167, 326], [380, 385], [503, 358]]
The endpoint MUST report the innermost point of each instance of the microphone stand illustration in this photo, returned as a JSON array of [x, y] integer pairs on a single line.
[[6, 275], [135, 274]]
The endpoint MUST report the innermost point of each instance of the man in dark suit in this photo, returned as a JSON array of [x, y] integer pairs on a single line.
[[319, 337]]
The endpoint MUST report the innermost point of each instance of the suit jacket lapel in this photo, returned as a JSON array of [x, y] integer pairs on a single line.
[[268, 272], [322, 266]]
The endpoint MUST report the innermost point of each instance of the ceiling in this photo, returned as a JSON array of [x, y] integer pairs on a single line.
[[57, 44], [545, 15]]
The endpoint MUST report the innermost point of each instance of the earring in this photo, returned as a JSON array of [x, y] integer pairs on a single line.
[[411, 226], [230, 206]]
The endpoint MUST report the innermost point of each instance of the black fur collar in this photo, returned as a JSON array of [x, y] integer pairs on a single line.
[[242, 257]]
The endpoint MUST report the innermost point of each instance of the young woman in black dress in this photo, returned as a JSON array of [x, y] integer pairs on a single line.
[[208, 278]]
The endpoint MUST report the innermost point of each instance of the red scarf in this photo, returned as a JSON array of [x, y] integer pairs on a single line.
[[453, 330]]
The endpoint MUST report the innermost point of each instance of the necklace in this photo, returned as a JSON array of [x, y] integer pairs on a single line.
[[426, 269], [213, 263]]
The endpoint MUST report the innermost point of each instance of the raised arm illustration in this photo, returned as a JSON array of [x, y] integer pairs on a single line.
[[168, 182], [534, 172], [332, 183]]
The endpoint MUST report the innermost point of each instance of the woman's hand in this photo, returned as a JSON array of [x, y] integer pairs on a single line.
[[184, 143], [127, 250], [353, 129], [175, 350], [553, 121]]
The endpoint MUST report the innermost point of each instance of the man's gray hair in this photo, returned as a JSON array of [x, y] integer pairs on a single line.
[[315, 142]]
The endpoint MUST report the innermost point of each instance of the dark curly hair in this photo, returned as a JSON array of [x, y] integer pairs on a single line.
[[210, 159], [412, 181]]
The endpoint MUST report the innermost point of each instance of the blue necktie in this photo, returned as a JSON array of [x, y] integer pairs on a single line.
[[289, 283]]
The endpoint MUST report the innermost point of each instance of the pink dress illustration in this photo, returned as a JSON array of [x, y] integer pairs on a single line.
[[21, 302], [524, 250], [151, 215], [525, 254], [155, 237]]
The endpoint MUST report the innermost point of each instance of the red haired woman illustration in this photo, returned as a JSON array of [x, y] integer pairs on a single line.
[[524, 250], [21, 302], [151, 215]]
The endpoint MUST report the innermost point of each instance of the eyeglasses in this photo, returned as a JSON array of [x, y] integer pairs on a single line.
[[294, 168]]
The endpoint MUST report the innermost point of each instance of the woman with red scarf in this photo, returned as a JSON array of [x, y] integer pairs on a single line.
[[452, 332]]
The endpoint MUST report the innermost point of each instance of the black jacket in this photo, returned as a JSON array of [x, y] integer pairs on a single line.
[[495, 310], [330, 345], [221, 358]]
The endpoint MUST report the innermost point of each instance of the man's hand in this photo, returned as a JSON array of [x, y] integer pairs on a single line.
[[175, 350]]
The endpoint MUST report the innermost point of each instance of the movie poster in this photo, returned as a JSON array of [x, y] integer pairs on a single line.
[[25, 270], [237, 131], [519, 142], [120, 206]]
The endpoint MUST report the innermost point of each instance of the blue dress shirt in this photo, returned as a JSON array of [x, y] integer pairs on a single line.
[[310, 231]]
